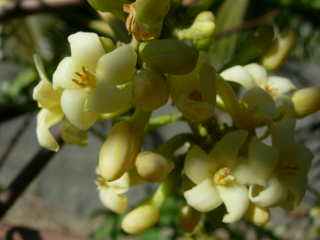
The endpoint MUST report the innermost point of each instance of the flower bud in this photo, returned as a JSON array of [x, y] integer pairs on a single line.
[[169, 56], [279, 51], [258, 215], [118, 152], [189, 218], [153, 166], [140, 219], [110, 199], [150, 90], [200, 32], [146, 18], [306, 101]]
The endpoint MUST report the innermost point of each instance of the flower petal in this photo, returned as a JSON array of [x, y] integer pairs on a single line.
[[63, 75], [117, 67], [121, 185], [270, 196], [204, 197], [111, 99], [259, 166], [45, 120], [225, 152], [73, 103], [197, 166], [240, 75], [280, 85], [86, 49], [113, 201], [258, 73], [235, 197]]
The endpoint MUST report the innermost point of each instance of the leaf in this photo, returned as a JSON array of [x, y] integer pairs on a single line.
[[230, 15]]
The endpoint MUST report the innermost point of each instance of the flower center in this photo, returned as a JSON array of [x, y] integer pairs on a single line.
[[223, 177], [269, 89], [85, 78]]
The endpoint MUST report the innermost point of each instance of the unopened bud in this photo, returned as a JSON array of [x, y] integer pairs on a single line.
[[146, 18], [306, 101], [110, 199], [153, 166], [279, 51], [258, 215], [150, 90], [140, 219], [118, 152], [189, 218], [200, 32], [107, 44], [169, 56]]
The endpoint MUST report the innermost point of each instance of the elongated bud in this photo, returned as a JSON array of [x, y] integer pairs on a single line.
[[153, 166], [119, 151], [258, 215], [140, 219], [146, 18], [150, 90], [306, 101], [110, 199], [189, 218], [279, 51], [169, 56], [200, 32]]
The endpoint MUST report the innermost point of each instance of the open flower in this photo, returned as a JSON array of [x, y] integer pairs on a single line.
[[214, 179], [254, 75], [289, 180], [94, 81]]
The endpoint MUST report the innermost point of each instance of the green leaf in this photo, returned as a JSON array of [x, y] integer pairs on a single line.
[[230, 15]]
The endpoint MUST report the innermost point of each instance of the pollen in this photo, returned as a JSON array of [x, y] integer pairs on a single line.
[[223, 177], [85, 78]]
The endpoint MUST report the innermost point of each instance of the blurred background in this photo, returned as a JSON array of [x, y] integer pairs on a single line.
[[48, 196]]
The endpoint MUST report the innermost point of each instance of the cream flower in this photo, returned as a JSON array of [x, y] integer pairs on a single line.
[[288, 183], [50, 114], [254, 75], [214, 179], [94, 81], [112, 193]]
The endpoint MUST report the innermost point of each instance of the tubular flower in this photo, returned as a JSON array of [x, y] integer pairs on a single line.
[[214, 178], [287, 185], [112, 193], [92, 83], [194, 93]]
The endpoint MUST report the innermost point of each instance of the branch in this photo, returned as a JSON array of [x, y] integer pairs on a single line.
[[22, 8], [24, 179]]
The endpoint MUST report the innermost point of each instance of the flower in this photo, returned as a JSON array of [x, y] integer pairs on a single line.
[[94, 81], [112, 193], [51, 113], [288, 183]]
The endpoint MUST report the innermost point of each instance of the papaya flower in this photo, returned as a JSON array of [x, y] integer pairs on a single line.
[[94, 81], [112, 193], [287, 186], [221, 176]]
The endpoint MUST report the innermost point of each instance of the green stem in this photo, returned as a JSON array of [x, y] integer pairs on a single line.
[[167, 149], [162, 120]]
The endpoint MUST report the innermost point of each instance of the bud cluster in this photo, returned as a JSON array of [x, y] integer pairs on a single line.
[[227, 164]]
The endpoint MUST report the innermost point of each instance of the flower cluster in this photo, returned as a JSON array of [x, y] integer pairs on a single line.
[[227, 164]]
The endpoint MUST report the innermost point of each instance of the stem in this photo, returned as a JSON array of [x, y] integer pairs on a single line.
[[167, 149], [160, 121]]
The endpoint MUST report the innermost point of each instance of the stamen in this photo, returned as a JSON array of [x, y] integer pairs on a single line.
[[223, 177], [85, 78]]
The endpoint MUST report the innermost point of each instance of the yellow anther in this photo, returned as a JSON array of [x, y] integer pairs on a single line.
[[85, 78], [223, 177], [269, 89]]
